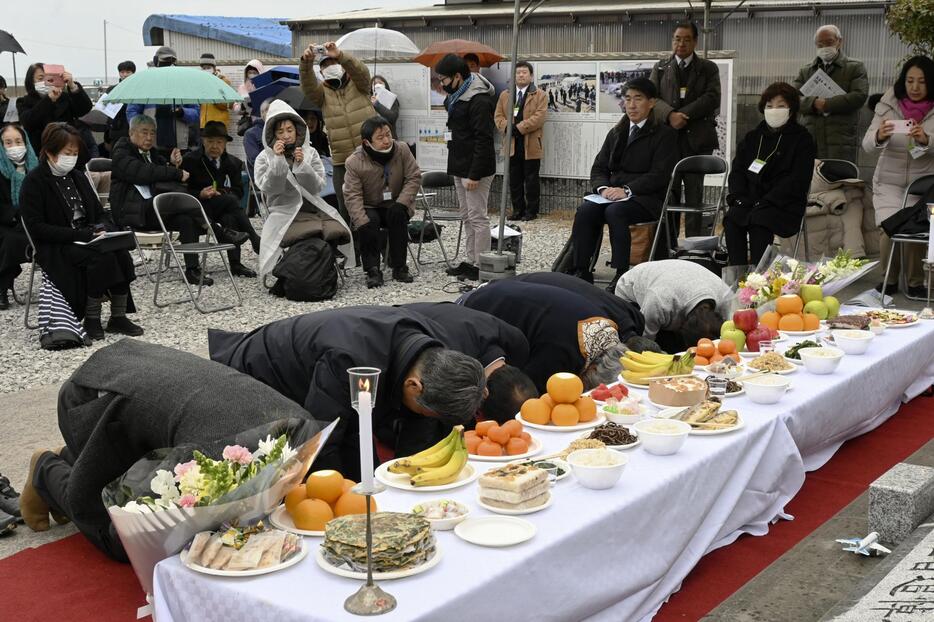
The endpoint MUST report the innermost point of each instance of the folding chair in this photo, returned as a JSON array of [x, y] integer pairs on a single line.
[[832, 168], [692, 165], [172, 203], [261, 207], [27, 301], [99, 165], [920, 186], [436, 180]]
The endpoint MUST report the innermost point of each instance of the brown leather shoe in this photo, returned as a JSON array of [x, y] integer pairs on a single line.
[[34, 510], [60, 519]]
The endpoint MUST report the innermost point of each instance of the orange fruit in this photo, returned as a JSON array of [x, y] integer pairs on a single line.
[[513, 427], [294, 497], [586, 408], [734, 356], [489, 448], [726, 346], [701, 360], [811, 321], [706, 349], [516, 446], [704, 340], [564, 388], [470, 433], [472, 442], [348, 484], [483, 427], [526, 437], [535, 410], [351, 503], [550, 402], [312, 514], [770, 319], [565, 414], [499, 435], [716, 357], [792, 321], [789, 303], [327, 485]]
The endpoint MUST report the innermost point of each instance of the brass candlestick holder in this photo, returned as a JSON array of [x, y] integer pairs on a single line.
[[370, 599]]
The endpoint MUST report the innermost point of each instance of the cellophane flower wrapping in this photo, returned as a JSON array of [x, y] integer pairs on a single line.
[[154, 530]]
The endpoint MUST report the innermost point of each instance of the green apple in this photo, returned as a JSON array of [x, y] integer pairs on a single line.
[[818, 308], [810, 293], [736, 336], [728, 325], [833, 306]]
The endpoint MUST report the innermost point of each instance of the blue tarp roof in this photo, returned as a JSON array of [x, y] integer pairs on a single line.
[[257, 33]]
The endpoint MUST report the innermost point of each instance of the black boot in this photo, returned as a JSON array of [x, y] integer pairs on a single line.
[[238, 269], [374, 278], [226, 235], [529, 216], [584, 275], [402, 275], [459, 269], [471, 273], [192, 275], [123, 326], [92, 326], [4, 300]]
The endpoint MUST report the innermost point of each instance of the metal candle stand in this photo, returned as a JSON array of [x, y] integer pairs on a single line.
[[370, 599]]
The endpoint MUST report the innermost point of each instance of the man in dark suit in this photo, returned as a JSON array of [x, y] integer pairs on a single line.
[[631, 173], [215, 178], [688, 100]]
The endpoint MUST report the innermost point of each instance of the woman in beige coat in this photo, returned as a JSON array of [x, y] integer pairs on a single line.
[[903, 157]]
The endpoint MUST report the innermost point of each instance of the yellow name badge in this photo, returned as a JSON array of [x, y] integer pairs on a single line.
[[683, 92], [515, 111], [756, 166]]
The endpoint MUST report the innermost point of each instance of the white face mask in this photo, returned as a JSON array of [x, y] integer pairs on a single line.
[[777, 117], [827, 54], [63, 165], [333, 72], [16, 154], [386, 150], [378, 86], [42, 88]]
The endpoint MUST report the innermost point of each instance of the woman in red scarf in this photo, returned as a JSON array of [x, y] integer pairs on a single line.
[[904, 155]]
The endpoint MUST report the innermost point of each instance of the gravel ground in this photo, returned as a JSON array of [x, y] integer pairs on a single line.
[[24, 365]]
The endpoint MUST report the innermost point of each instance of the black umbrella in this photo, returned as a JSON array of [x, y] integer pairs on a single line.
[[294, 97], [96, 120], [8, 43]]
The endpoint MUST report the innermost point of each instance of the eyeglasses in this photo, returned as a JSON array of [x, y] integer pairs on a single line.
[[682, 40]]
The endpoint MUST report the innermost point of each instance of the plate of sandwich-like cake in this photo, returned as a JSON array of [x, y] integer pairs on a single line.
[[515, 489], [216, 553]]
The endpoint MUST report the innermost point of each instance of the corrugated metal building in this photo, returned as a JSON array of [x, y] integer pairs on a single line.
[[228, 38]]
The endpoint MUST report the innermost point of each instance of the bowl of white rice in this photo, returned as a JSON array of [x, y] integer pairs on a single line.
[[662, 437]]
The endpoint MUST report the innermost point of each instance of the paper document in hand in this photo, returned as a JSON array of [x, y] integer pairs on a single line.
[[111, 110], [11, 115], [386, 98], [508, 232], [821, 85], [600, 200], [105, 236]]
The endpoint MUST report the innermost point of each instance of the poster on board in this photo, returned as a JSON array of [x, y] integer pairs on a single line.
[[431, 148], [408, 82], [571, 89], [613, 79]]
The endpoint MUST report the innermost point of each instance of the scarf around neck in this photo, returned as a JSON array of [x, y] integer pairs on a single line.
[[8, 169], [916, 111], [451, 99]]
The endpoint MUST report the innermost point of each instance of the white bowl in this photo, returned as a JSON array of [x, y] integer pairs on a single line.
[[852, 341], [877, 330], [822, 360], [625, 419], [766, 389], [443, 524], [662, 443], [597, 477]]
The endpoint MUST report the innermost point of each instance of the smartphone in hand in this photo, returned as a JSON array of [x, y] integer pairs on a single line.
[[900, 126], [54, 75]]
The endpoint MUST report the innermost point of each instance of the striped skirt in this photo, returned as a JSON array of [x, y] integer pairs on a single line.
[[59, 327]]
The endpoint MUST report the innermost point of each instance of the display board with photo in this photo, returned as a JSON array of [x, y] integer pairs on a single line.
[[571, 89], [612, 85]]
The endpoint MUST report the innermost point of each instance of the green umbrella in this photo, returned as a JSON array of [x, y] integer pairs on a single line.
[[173, 86]]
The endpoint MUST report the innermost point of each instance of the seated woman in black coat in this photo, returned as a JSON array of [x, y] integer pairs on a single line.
[[16, 159], [769, 180], [631, 173], [59, 208]]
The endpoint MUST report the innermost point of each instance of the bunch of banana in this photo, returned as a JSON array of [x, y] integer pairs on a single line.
[[637, 366], [682, 365], [439, 464]]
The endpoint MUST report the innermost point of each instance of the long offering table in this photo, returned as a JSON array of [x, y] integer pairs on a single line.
[[612, 554]]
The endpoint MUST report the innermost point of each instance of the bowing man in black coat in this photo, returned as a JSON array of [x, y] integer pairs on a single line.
[[566, 331], [769, 179], [631, 171], [306, 358], [115, 409], [214, 177], [501, 348]]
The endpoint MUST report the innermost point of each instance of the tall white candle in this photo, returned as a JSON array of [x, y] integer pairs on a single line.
[[365, 413]]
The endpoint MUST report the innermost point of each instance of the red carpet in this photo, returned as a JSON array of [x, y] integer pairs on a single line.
[[71, 580], [825, 492]]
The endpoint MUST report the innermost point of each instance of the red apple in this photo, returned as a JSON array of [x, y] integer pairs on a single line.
[[774, 333], [746, 319], [760, 333]]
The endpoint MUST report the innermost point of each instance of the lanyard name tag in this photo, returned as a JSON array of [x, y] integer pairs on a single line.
[[448, 136], [683, 92], [756, 166], [917, 151], [227, 181], [387, 195], [515, 111]]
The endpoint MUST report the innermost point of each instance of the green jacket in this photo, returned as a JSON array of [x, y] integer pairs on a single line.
[[835, 134]]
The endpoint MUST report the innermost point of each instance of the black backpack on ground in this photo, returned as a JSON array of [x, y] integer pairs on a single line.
[[306, 272]]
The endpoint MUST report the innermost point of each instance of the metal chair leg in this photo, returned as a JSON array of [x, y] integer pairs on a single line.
[[888, 268], [32, 275], [662, 222]]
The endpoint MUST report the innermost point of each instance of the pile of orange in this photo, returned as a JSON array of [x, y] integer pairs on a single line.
[[562, 405], [707, 352], [324, 495], [789, 315], [491, 439]]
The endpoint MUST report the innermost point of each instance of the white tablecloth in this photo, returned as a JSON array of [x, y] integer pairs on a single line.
[[602, 555]]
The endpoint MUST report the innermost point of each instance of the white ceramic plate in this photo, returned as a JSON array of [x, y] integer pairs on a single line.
[[379, 576], [645, 387], [496, 510], [665, 414], [495, 530], [245, 573], [794, 368], [401, 481], [618, 447], [564, 428], [735, 393], [555, 461], [534, 448], [907, 313], [799, 333], [281, 519]]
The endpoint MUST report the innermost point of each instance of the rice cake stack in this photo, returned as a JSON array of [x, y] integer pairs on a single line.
[[678, 391], [400, 541], [515, 487]]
